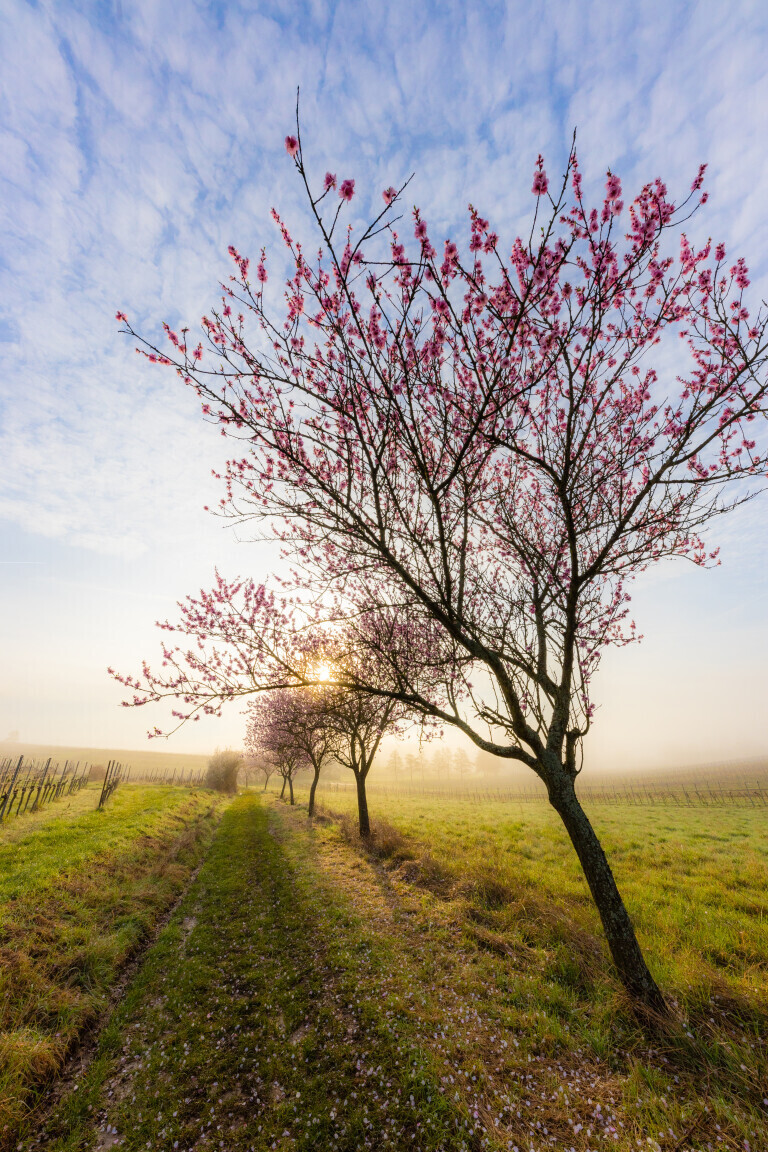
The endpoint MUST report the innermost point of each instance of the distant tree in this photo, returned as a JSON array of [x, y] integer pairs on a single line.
[[394, 764], [479, 448], [270, 738], [298, 718], [461, 763], [222, 771], [263, 767], [487, 765], [358, 722]]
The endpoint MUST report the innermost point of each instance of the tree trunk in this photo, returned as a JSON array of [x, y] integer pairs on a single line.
[[265, 784], [312, 790], [362, 806], [290, 788], [617, 925], [282, 790]]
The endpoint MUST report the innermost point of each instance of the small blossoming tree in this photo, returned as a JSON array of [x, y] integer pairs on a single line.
[[271, 740], [470, 451], [300, 719], [357, 723]]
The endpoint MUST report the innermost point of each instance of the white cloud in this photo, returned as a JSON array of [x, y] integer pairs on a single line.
[[137, 145]]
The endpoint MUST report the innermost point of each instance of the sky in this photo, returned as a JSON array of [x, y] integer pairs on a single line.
[[138, 140]]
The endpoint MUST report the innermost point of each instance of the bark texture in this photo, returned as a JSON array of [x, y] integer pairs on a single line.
[[362, 806], [619, 932], [312, 790]]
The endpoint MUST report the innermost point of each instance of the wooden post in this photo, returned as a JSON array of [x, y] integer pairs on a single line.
[[104, 784], [10, 788]]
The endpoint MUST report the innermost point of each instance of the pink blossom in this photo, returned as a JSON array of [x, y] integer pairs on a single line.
[[739, 271], [613, 187], [347, 189], [329, 181], [389, 195], [291, 145], [540, 181], [699, 178], [122, 317]]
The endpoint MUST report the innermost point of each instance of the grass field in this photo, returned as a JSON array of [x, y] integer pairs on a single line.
[[695, 880], [446, 989], [80, 889]]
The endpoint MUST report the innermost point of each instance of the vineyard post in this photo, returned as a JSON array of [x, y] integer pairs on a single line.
[[23, 788], [26, 788], [10, 788], [47, 782], [41, 785], [104, 785], [30, 790], [54, 783]]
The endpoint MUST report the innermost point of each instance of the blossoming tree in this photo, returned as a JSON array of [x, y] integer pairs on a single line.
[[270, 738], [468, 454], [300, 719], [357, 723]]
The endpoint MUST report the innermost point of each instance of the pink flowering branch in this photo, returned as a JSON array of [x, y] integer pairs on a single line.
[[240, 639]]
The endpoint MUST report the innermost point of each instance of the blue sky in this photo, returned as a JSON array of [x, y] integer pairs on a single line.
[[138, 140]]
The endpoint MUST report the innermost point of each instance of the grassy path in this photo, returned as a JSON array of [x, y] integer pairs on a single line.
[[263, 1018], [311, 995]]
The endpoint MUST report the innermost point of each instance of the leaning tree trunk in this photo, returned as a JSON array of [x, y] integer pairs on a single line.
[[362, 806], [617, 925], [312, 790], [282, 790], [290, 788]]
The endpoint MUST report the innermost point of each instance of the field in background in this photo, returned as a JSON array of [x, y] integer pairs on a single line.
[[736, 776], [80, 889], [141, 760], [729, 791]]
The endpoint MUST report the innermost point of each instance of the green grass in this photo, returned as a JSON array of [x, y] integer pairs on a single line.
[[695, 880], [270, 1014], [80, 889], [445, 988], [527, 953]]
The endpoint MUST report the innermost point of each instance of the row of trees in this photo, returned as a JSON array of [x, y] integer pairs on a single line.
[[296, 729], [440, 763], [306, 730], [468, 453]]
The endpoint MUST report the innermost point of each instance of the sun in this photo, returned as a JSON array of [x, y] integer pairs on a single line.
[[323, 673]]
